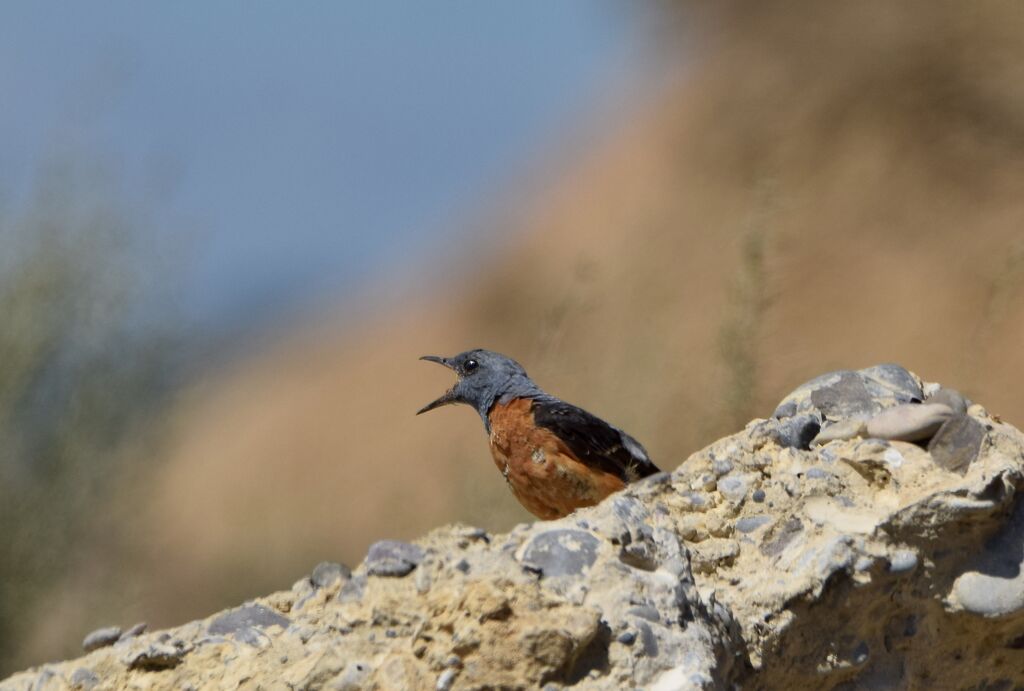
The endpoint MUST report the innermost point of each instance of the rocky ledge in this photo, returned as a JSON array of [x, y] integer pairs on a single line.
[[869, 534]]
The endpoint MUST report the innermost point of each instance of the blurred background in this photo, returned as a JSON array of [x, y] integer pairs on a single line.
[[228, 232]]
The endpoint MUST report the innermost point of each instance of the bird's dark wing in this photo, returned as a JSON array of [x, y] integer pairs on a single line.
[[592, 440]]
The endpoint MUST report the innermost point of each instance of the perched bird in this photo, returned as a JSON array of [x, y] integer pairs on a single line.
[[555, 457]]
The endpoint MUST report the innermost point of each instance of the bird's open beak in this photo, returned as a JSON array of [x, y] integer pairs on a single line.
[[449, 395]]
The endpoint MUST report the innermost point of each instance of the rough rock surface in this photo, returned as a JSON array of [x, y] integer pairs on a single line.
[[760, 562]]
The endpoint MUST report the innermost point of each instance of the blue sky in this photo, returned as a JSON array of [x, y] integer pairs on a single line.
[[287, 151]]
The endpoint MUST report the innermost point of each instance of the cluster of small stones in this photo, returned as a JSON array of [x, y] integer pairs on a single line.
[[868, 534]]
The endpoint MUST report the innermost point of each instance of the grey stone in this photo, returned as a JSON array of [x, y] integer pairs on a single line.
[[950, 397], [84, 678], [798, 431], [393, 558], [251, 615], [353, 589], [251, 636], [648, 640], [101, 638], [561, 552], [647, 612], [847, 397], [845, 393], [957, 443], [134, 631], [626, 638], [721, 466], [897, 379], [758, 495], [782, 537], [784, 410], [734, 486], [327, 572], [446, 679], [749, 524], [909, 421]]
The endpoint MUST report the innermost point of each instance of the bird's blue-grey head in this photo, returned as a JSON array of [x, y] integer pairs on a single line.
[[485, 378]]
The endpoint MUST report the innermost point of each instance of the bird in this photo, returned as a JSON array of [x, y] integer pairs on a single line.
[[555, 457]]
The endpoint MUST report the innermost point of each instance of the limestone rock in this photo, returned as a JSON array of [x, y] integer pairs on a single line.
[[758, 563]]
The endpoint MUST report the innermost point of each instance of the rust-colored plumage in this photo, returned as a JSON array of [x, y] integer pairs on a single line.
[[542, 472]]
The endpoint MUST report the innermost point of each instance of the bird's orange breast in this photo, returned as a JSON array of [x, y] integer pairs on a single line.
[[540, 469]]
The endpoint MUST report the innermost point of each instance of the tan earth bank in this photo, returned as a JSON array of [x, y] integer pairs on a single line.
[[801, 552]]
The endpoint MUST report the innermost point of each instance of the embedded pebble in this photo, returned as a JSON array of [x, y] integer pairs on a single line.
[[446, 680], [797, 432], [134, 631], [758, 495], [648, 641], [84, 679], [647, 612], [721, 466], [848, 396], [749, 524], [734, 486], [846, 393], [897, 380], [909, 422], [784, 410], [101, 638], [626, 638], [393, 558], [957, 443], [561, 552], [327, 572], [252, 615]]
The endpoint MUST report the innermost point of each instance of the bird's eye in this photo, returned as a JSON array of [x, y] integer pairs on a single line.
[[470, 366]]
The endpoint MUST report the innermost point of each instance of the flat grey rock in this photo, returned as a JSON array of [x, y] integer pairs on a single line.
[[897, 379], [847, 394], [134, 631], [846, 397], [393, 558], [246, 616], [957, 443], [100, 638], [84, 678], [556, 553], [749, 524], [327, 572]]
